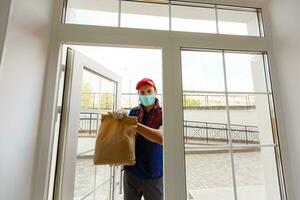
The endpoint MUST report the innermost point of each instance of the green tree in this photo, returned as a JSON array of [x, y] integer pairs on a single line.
[[189, 102], [106, 101], [86, 100]]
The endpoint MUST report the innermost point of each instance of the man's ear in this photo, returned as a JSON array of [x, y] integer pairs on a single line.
[[155, 91]]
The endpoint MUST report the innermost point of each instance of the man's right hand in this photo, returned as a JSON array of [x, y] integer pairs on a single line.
[[119, 114]]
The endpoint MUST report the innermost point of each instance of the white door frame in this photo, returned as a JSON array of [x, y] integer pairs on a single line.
[[170, 42], [77, 62]]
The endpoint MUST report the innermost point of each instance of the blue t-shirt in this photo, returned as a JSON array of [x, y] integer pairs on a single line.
[[149, 155]]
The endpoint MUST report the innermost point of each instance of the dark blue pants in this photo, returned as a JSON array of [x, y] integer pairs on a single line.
[[135, 188]]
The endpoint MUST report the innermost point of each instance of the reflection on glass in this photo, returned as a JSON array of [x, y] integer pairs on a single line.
[[90, 90], [202, 71], [245, 72], [238, 22], [193, 19], [250, 119], [93, 12], [107, 95], [209, 175], [97, 92], [256, 174], [144, 15]]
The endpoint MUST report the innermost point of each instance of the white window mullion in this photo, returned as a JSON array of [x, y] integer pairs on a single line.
[[217, 19], [170, 16], [119, 13], [174, 161], [229, 128]]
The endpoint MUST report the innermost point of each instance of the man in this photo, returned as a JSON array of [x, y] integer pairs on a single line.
[[145, 178]]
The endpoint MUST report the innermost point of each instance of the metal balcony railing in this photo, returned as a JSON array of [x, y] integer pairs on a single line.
[[191, 100], [194, 131], [210, 133]]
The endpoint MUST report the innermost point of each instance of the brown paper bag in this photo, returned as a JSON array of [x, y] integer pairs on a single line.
[[115, 143]]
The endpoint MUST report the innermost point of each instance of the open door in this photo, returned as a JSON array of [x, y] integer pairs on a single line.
[[90, 90]]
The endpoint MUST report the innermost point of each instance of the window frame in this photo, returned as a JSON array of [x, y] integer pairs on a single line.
[[275, 145], [185, 3]]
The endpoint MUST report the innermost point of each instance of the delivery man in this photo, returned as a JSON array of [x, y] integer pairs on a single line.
[[145, 178]]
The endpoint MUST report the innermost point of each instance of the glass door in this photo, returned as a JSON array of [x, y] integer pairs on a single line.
[[90, 90], [229, 126]]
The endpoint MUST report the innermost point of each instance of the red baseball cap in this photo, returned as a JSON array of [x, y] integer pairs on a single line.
[[145, 81]]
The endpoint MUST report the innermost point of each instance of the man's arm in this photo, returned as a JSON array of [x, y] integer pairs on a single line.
[[154, 135]]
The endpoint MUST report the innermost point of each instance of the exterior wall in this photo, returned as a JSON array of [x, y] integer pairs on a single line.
[[21, 90], [240, 117]]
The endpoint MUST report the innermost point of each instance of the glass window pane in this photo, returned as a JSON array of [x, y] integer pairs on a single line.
[[144, 15], [193, 19], [245, 72], [132, 64], [256, 174], [93, 12], [208, 163], [84, 177], [107, 95], [209, 175], [250, 119], [238, 22], [103, 181], [186, 16], [98, 94], [89, 90], [202, 71], [205, 120]]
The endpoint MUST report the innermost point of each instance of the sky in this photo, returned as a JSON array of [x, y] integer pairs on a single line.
[[201, 71], [131, 64]]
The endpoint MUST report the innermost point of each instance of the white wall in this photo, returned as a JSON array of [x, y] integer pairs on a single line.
[[21, 84], [285, 27]]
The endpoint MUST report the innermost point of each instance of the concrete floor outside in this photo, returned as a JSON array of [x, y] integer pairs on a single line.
[[209, 176]]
